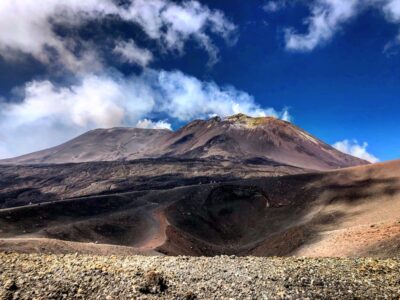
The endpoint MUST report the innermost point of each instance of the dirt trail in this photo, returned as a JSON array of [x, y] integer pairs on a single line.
[[159, 237]]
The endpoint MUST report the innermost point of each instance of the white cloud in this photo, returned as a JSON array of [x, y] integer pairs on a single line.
[[355, 149], [149, 124], [95, 102], [274, 6], [392, 10], [392, 13], [327, 16], [28, 28], [173, 24], [50, 114], [131, 53]]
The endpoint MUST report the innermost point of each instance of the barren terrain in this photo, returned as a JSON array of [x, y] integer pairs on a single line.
[[349, 212], [223, 277]]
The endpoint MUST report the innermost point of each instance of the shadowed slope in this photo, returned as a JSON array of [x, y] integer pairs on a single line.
[[22, 185]]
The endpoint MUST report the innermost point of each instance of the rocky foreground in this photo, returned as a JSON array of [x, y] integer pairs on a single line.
[[39, 276]]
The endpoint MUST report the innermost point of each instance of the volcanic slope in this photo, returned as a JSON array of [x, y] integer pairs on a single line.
[[348, 212], [262, 140], [29, 184]]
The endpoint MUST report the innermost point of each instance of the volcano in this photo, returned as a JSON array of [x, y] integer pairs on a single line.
[[239, 137]]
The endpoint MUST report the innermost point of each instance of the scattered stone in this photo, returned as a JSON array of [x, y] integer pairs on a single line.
[[76, 276], [190, 296], [10, 285], [154, 283]]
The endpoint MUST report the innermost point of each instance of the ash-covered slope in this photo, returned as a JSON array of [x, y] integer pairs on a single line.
[[239, 137]]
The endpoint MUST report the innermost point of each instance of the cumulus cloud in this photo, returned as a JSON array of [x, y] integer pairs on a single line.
[[355, 149], [171, 24], [49, 114], [131, 53], [149, 124], [32, 28]]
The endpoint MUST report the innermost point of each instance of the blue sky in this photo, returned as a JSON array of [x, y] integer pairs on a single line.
[[333, 65]]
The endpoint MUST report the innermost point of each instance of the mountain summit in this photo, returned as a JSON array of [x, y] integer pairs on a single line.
[[263, 138], [238, 137]]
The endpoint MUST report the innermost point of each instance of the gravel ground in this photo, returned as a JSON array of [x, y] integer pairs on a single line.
[[72, 276]]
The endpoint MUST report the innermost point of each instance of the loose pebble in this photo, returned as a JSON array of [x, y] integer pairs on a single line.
[[73, 276]]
